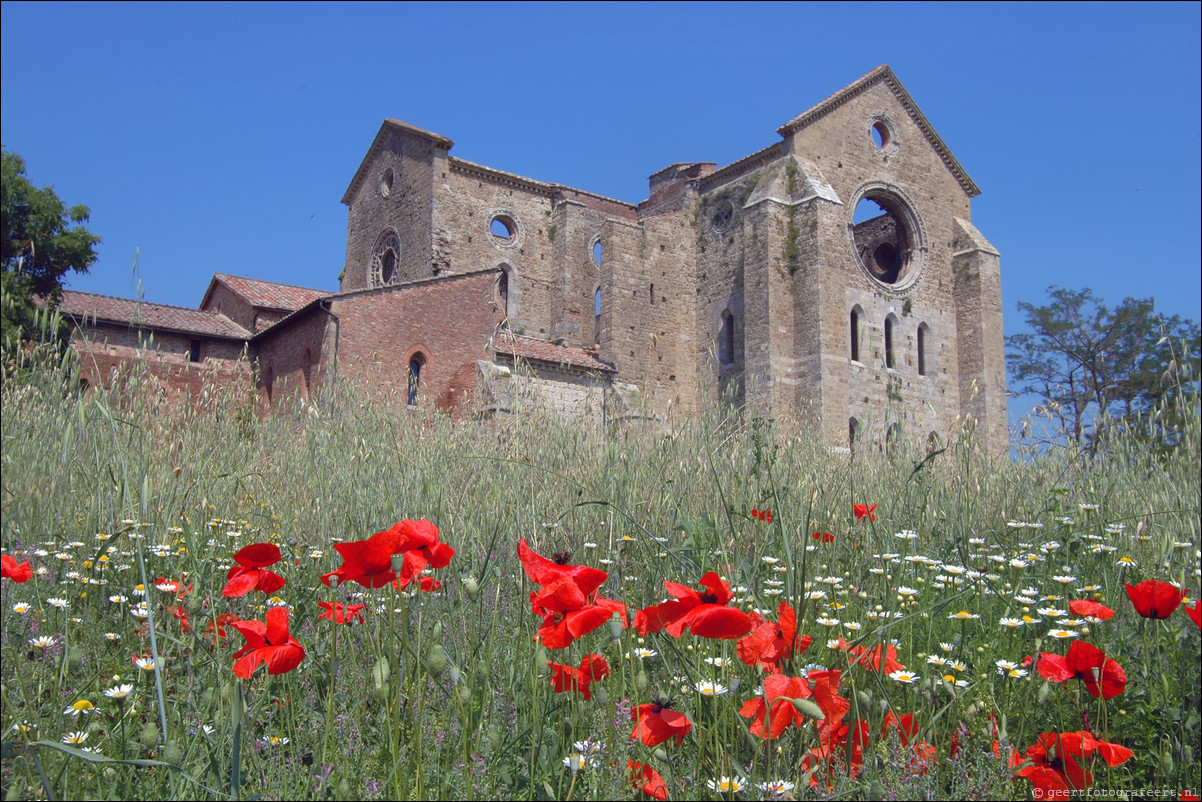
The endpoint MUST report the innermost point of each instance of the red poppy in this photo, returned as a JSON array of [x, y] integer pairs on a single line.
[[704, 614], [1154, 599], [763, 515], [340, 613], [181, 615], [269, 643], [773, 711], [593, 668], [1104, 678], [842, 745], [568, 600], [427, 583], [174, 586], [370, 562], [1054, 769], [871, 658], [1091, 608], [1194, 611], [906, 727], [863, 511], [10, 570], [250, 573], [655, 723], [217, 626], [646, 779], [769, 643], [823, 537]]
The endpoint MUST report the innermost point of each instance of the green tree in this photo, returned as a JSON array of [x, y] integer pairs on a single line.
[[1093, 365], [41, 240]]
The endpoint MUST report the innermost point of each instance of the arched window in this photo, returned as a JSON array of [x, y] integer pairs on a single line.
[[726, 339], [503, 292], [892, 439], [890, 362], [853, 433], [855, 334], [922, 349], [597, 316], [415, 375], [385, 259]]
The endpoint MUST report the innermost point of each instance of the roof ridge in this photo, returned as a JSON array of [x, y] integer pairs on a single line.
[[147, 303], [267, 281]]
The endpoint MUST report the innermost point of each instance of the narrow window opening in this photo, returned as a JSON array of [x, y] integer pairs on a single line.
[[194, 351], [726, 340], [889, 362], [415, 374], [597, 251], [653, 295], [855, 335], [853, 433], [922, 350], [503, 293], [597, 316]]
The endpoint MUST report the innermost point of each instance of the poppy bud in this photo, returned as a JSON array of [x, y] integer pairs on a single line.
[[641, 684], [453, 673], [344, 789], [808, 708], [172, 753], [436, 660], [660, 754], [465, 696], [615, 629], [398, 562], [1166, 762], [149, 734], [482, 671], [876, 790], [436, 633], [472, 587], [864, 698]]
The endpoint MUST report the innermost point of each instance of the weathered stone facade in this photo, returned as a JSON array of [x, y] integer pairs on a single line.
[[763, 284]]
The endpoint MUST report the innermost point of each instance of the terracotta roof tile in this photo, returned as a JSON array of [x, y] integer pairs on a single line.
[[269, 294], [81, 305], [542, 351]]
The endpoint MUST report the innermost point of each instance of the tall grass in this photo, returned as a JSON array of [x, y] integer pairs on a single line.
[[446, 694]]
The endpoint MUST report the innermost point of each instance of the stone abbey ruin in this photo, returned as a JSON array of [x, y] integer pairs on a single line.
[[835, 276]]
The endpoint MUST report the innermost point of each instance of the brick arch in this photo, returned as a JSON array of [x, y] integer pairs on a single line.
[[417, 356]]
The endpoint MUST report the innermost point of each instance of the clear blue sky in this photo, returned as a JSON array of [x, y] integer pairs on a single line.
[[220, 138]]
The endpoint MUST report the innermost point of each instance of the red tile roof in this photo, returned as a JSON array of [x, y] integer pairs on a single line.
[[269, 294], [80, 305], [523, 347]]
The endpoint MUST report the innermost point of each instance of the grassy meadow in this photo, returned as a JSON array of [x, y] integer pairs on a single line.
[[118, 653]]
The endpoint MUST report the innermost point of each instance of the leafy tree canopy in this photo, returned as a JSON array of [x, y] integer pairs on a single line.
[[41, 240], [1093, 365]]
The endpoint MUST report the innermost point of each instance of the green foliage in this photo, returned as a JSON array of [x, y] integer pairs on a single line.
[[445, 695], [41, 240], [1094, 366]]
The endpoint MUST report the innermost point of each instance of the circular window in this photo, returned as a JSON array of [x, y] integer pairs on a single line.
[[723, 216], [386, 183], [887, 238], [385, 259], [504, 230], [881, 134]]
